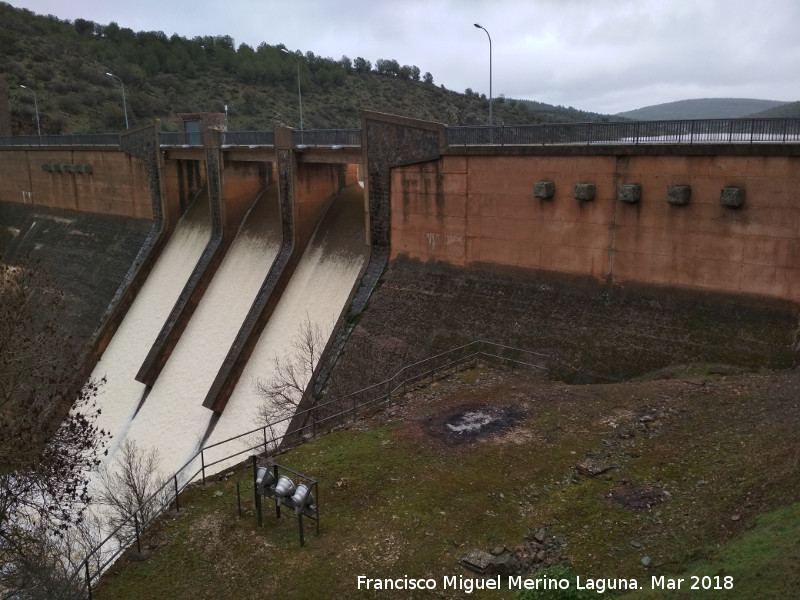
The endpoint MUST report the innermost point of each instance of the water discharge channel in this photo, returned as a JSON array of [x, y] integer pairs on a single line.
[[170, 417]]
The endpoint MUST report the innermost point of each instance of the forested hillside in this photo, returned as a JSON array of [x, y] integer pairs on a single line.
[[66, 63]]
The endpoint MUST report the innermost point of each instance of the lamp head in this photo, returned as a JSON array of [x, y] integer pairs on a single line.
[[285, 487], [478, 26], [264, 479], [302, 499]]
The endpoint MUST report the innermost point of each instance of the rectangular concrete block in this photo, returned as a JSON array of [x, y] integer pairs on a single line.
[[630, 193], [732, 197], [679, 195], [544, 190], [584, 191]]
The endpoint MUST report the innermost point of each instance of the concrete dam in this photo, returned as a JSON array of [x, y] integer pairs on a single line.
[[248, 241]]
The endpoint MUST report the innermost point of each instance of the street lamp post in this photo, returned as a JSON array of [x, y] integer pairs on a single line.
[[124, 104], [36, 106], [299, 95], [490, 72]]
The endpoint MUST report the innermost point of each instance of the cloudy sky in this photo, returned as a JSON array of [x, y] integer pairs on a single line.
[[600, 55]]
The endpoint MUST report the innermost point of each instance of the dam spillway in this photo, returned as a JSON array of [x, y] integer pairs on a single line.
[[318, 292], [121, 394], [170, 417]]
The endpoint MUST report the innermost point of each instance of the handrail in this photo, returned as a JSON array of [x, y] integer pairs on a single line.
[[333, 412], [110, 140], [687, 131]]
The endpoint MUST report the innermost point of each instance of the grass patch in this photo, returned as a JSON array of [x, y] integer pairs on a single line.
[[690, 467], [761, 564]]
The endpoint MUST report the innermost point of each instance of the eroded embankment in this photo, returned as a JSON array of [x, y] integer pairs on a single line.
[[594, 332], [87, 255]]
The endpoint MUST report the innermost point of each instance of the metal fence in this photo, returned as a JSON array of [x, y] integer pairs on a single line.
[[623, 132], [631, 132], [327, 137], [251, 139], [88, 139], [320, 418]]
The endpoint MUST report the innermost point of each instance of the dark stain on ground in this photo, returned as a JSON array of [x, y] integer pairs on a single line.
[[636, 496], [469, 423]]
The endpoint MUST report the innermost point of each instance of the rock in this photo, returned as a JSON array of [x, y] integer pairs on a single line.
[[735, 517], [592, 467], [636, 544], [501, 565], [539, 536], [477, 561], [646, 561], [541, 555], [498, 550]]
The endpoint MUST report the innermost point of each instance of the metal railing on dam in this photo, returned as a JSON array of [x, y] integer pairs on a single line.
[[689, 131], [105, 140], [630, 132]]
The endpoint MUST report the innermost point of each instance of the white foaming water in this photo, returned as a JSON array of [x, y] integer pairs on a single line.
[[173, 418], [121, 394], [318, 290]]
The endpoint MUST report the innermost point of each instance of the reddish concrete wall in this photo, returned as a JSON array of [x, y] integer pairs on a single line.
[[241, 183], [315, 185], [481, 209], [117, 185]]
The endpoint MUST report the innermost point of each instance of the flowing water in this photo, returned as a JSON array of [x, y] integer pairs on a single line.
[[121, 394], [318, 292], [171, 416]]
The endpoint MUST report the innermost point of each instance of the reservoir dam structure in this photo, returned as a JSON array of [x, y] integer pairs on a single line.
[[252, 236]]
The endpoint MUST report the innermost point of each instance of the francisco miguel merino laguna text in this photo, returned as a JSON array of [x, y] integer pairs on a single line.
[[514, 582]]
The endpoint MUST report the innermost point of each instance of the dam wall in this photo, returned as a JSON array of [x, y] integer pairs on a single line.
[[713, 221], [95, 181]]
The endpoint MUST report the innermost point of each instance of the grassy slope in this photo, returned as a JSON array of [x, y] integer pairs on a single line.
[[400, 498]]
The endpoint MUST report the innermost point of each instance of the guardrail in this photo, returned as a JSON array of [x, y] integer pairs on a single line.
[[695, 131], [251, 139], [318, 419], [327, 137], [88, 139], [630, 132]]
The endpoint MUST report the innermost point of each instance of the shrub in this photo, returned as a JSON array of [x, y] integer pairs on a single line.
[[571, 593]]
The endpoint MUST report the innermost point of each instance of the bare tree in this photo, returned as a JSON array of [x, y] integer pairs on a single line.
[[288, 388], [49, 442], [131, 487]]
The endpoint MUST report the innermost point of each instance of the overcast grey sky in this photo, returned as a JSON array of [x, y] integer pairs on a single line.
[[600, 55]]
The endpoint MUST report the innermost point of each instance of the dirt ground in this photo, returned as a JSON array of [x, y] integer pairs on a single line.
[[664, 468]]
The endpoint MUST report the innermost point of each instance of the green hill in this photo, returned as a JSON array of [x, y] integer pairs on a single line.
[[703, 108], [66, 63], [789, 110]]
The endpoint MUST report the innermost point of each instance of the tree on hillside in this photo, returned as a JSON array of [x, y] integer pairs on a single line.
[[46, 449], [362, 65]]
